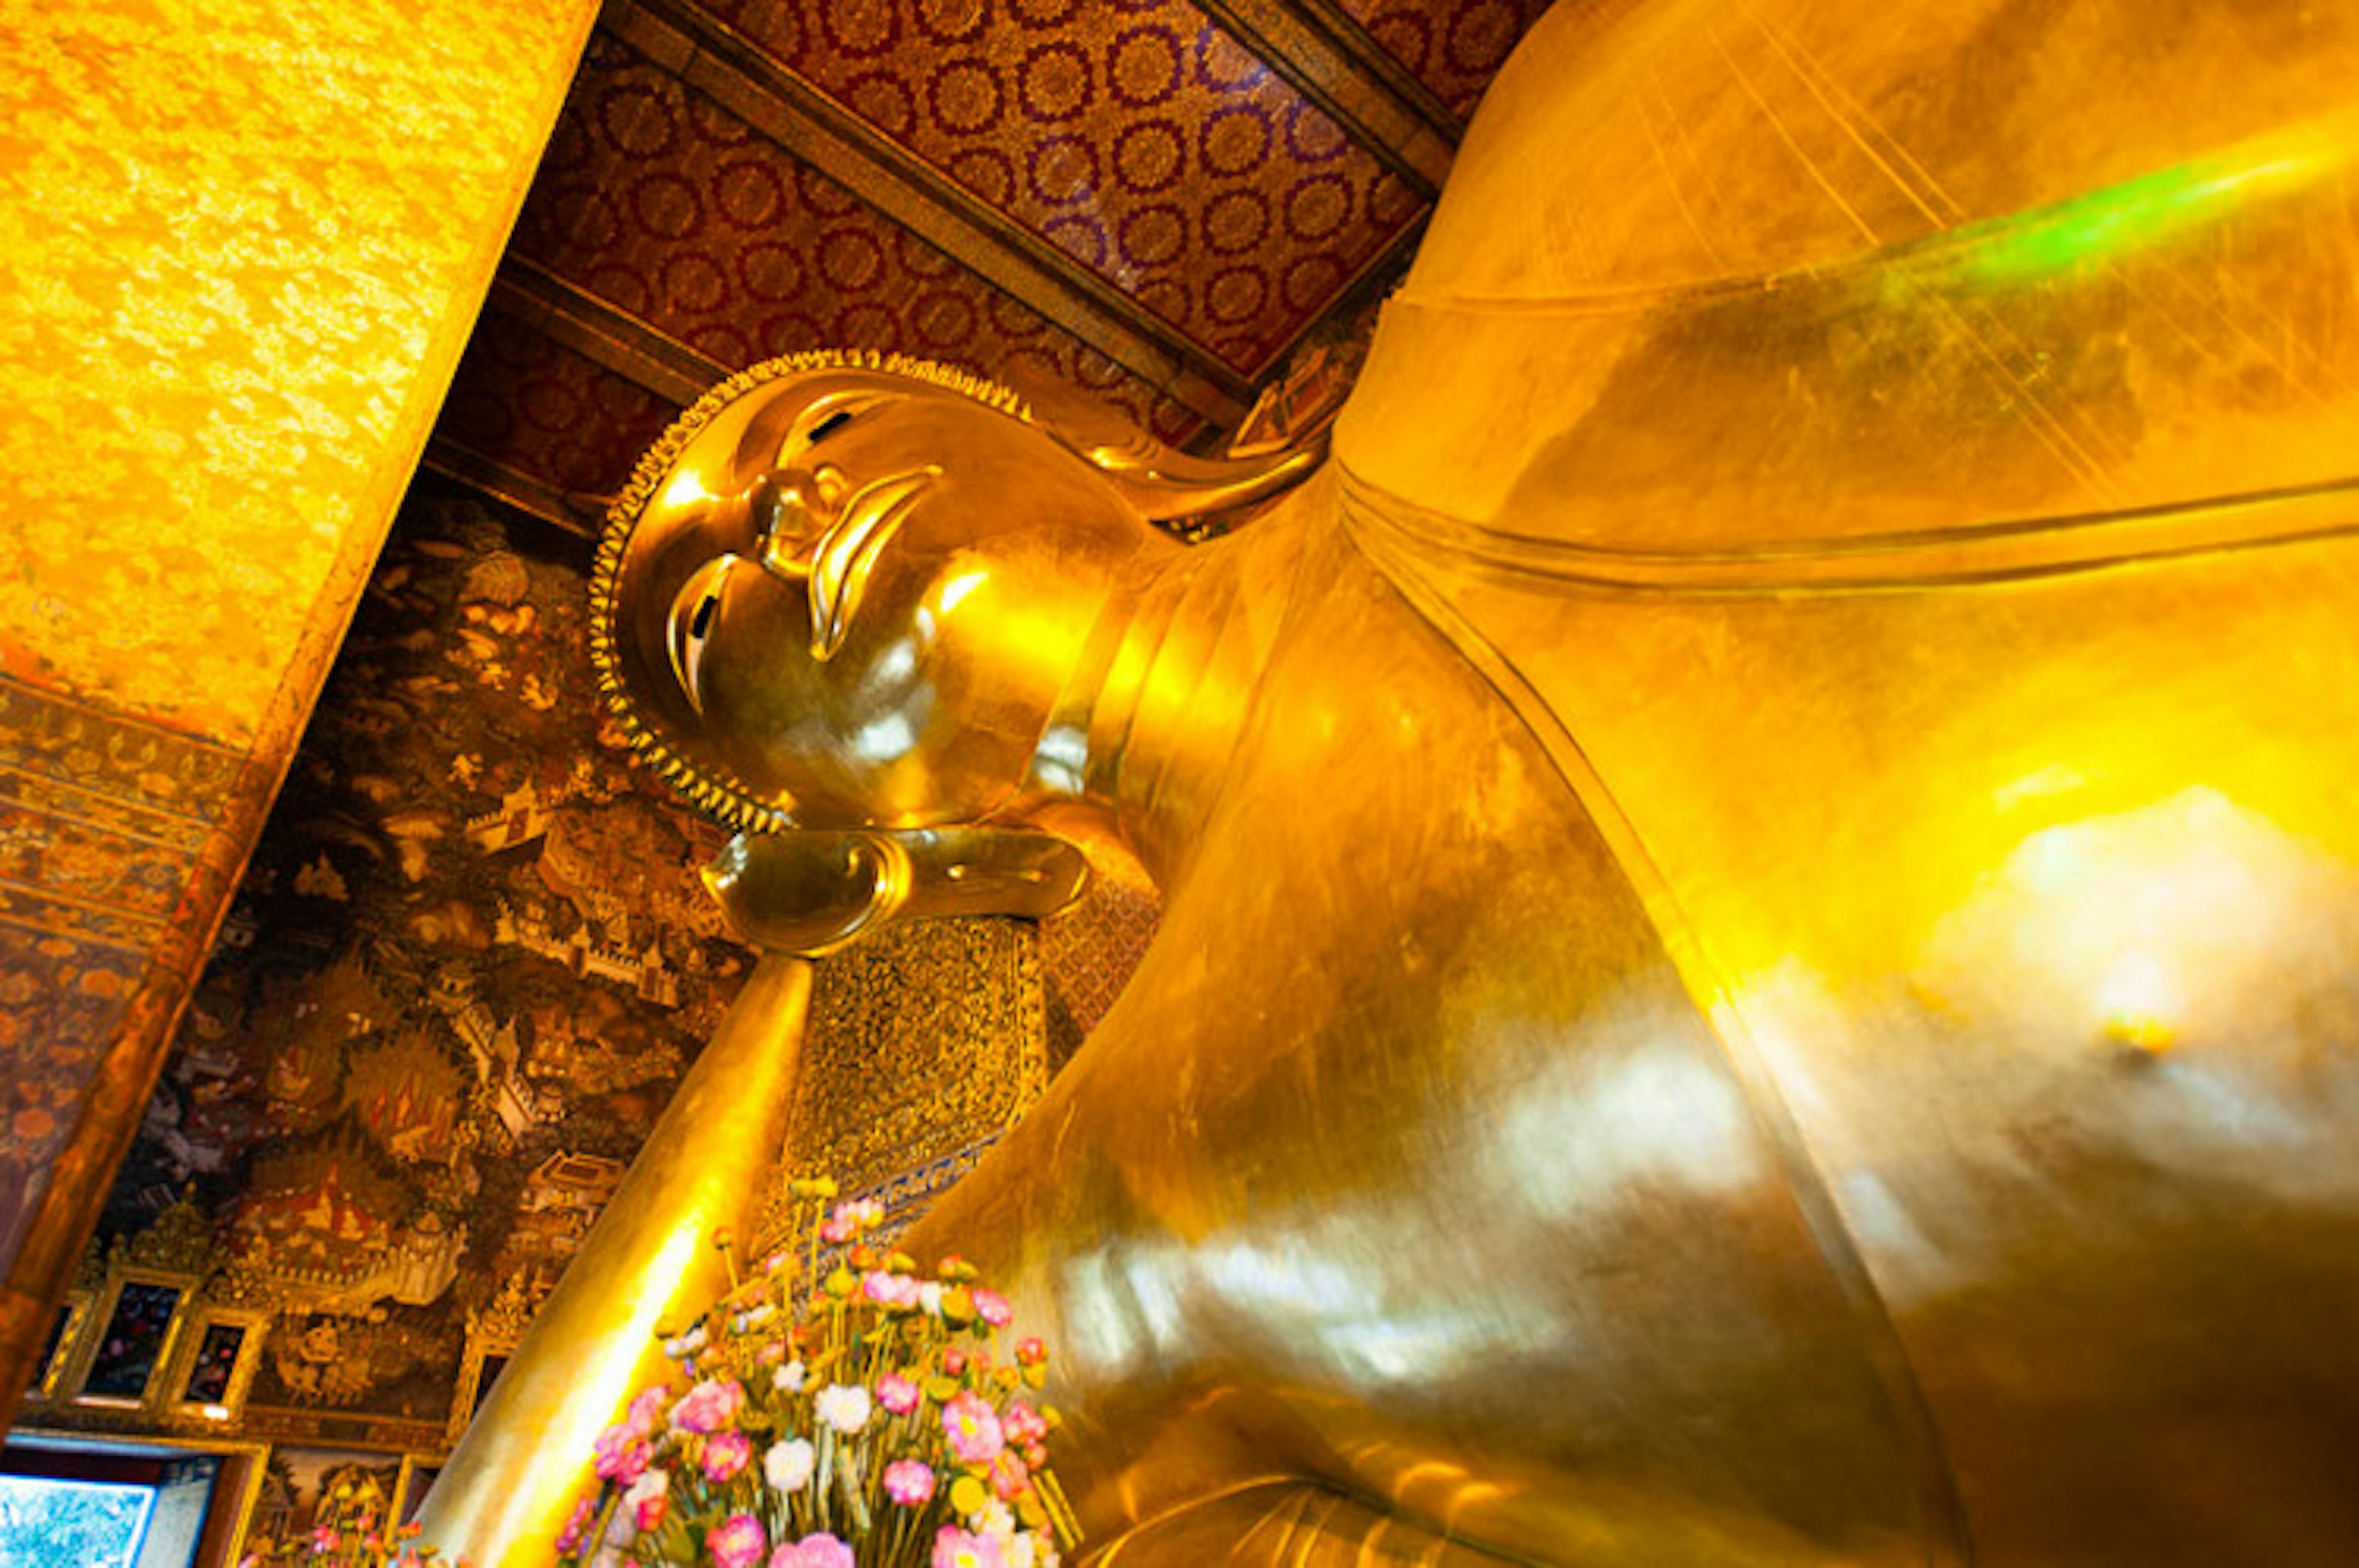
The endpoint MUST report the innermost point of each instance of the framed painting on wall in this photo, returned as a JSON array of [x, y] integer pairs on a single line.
[[138, 1312], [219, 1350], [57, 1352]]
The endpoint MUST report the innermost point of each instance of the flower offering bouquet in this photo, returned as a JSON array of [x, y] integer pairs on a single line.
[[863, 1417]]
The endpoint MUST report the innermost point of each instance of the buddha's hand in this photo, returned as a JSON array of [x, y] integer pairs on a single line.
[[809, 892]]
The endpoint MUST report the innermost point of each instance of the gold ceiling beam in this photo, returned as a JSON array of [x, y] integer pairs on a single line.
[[1331, 59], [559, 508], [717, 61], [597, 329]]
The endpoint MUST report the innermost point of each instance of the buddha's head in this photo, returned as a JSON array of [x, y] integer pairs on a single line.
[[849, 591]]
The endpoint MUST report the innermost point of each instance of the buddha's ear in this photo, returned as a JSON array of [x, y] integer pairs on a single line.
[[1166, 484]]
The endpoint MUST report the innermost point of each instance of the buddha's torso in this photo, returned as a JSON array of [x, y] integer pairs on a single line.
[[1775, 976]]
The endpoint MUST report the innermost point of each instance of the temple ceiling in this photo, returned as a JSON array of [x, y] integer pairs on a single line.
[[1155, 204]]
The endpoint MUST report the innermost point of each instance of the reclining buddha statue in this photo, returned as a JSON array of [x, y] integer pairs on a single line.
[[1760, 959]]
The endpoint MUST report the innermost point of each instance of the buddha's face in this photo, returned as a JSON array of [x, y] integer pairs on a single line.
[[856, 597]]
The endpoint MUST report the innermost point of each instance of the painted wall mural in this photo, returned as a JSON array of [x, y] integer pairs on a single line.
[[468, 963], [242, 242]]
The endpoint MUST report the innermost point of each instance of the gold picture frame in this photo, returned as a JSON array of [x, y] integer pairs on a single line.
[[214, 1365], [73, 1314], [128, 1343], [419, 1474], [468, 1394]]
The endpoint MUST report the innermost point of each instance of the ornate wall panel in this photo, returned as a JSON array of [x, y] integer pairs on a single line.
[[103, 821], [1088, 951], [1142, 139], [924, 1042], [469, 960]]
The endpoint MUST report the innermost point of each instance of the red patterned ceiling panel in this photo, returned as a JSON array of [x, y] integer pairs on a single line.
[[1453, 46], [1136, 135], [543, 410], [677, 212]]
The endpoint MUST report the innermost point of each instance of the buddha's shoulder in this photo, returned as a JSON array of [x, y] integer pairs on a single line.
[[1719, 283]]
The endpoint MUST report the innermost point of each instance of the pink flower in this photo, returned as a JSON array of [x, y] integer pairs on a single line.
[[1030, 1352], [820, 1551], [650, 1512], [891, 1290], [622, 1455], [992, 1307], [852, 1218], [974, 1430], [1010, 1478], [710, 1406], [897, 1393], [1022, 1423], [910, 1482], [954, 1548], [725, 1454], [737, 1541], [570, 1537], [647, 1405]]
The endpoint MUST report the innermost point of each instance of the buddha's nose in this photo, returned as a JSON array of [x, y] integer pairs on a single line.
[[789, 509]]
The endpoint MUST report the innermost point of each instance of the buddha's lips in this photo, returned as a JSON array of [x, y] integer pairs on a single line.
[[846, 552]]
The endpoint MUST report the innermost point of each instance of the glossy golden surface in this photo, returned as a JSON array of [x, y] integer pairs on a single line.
[[811, 894], [1758, 963]]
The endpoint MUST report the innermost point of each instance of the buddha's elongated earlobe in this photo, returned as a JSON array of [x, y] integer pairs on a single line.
[[1166, 484]]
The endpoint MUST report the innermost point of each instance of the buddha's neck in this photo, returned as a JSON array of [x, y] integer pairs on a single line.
[[1146, 736]]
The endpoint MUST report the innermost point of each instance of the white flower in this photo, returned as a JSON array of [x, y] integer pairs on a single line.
[[687, 1345], [843, 1406], [929, 1296], [789, 1465], [789, 1378], [993, 1519], [652, 1482], [1019, 1550]]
